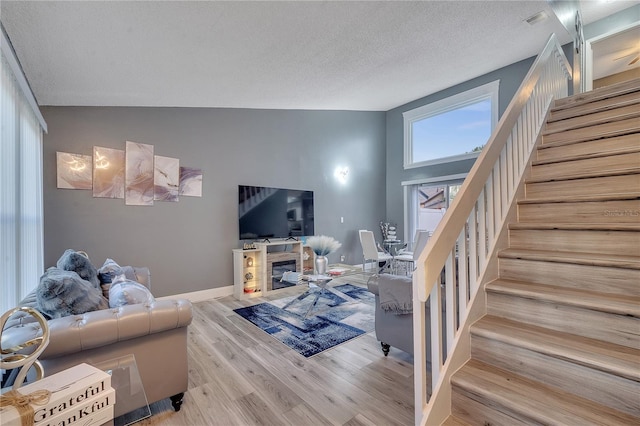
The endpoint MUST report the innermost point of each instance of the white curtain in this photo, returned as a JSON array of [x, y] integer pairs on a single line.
[[21, 217]]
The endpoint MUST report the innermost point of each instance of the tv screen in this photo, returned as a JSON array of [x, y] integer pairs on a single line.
[[265, 213]]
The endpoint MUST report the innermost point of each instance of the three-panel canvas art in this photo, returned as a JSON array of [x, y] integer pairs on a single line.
[[134, 174]]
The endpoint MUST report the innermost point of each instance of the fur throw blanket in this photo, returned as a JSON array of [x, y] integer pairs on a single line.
[[79, 263], [62, 293]]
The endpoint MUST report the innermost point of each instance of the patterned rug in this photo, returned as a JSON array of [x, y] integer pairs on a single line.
[[334, 319]]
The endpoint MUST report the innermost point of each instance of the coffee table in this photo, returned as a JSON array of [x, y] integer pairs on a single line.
[[318, 284]]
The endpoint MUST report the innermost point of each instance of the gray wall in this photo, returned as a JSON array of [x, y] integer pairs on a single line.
[[188, 244], [617, 20], [510, 79]]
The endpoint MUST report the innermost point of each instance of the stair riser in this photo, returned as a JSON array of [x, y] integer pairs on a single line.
[[605, 212], [625, 243], [479, 414], [592, 107], [608, 389], [591, 166], [607, 92], [619, 329], [627, 143], [592, 278], [621, 113], [622, 185], [617, 128]]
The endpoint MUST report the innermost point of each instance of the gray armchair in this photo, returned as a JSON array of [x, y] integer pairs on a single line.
[[394, 327]]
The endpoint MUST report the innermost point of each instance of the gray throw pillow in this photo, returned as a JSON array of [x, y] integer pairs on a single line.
[[62, 293], [79, 263]]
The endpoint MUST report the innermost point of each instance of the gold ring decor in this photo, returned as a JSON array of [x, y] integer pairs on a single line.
[[15, 360]]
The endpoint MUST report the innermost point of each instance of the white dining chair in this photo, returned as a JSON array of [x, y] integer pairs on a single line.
[[370, 251], [409, 257]]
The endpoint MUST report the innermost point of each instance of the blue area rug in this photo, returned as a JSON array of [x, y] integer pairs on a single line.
[[334, 319]]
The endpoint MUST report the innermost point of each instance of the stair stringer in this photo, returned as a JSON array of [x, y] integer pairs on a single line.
[[440, 403]]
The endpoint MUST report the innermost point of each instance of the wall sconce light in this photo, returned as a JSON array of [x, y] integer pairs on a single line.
[[341, 174]]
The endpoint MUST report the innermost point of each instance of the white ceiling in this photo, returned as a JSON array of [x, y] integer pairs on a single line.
[[620, 52], [351, 55]]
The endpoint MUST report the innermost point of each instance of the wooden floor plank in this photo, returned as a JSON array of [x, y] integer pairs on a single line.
[[239, 375]]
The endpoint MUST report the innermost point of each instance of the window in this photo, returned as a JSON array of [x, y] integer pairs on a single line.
[[21, 228], [427, 200], [452, 129]]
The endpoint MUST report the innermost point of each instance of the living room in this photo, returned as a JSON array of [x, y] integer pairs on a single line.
[[297, 149], [187, 245]]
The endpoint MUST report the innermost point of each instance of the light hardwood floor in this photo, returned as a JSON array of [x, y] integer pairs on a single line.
[[239, 375]]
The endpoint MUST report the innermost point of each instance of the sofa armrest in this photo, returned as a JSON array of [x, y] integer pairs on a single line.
[[105, 327]]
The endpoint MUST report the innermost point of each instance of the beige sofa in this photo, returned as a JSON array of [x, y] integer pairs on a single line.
[[156, 334]]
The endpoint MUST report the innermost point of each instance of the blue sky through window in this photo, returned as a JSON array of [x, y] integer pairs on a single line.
[[452, 133]]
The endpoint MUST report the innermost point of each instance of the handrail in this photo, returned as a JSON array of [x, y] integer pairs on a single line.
[[469, 230]]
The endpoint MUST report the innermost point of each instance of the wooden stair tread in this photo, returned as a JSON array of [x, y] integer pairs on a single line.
[[606, 92], [593, 259], [524, 398], [561, 151], [620, 360], [592, 119], [579, 226], [603, 302], [585, 198], [590, 141], [584, 175], [632, 137], [624, 150], [615, 128], [606, 104]]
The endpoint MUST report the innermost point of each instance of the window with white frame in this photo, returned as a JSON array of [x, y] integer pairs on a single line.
[[427, 200], [452, 129]]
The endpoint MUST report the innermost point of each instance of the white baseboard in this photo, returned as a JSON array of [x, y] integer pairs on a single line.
[[202, 295]]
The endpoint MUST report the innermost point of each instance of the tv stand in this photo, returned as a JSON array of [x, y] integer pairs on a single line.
[[253, 268]]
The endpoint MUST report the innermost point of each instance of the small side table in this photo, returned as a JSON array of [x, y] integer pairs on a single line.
[[131, 400]]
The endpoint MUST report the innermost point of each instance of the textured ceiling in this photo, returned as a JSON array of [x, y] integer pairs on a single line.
[[351, 55]]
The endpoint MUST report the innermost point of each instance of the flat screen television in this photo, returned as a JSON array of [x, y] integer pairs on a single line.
[[265, 213]]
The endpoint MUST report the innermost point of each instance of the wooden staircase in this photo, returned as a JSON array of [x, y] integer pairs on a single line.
[[560, 344]]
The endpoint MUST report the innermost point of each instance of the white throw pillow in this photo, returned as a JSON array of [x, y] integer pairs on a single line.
[[128, 292]]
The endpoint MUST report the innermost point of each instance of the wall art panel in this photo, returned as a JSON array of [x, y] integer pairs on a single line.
[[166, 179], [139, 174], [74, 171], [190, 182], [108, 172]]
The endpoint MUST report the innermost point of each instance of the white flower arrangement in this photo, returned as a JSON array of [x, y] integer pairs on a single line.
[[323, 245]]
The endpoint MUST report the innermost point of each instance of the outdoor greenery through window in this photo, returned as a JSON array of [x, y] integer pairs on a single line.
[[452, 129]]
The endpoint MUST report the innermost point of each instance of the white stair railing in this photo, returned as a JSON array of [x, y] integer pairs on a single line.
[[467, 235]]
